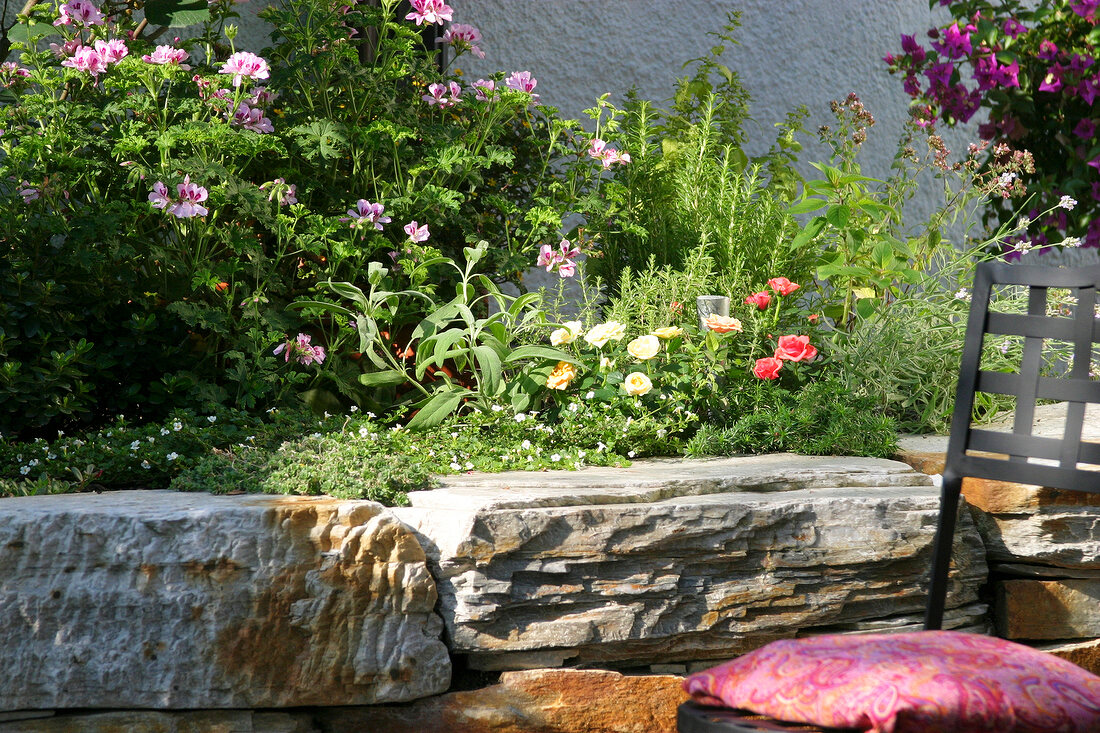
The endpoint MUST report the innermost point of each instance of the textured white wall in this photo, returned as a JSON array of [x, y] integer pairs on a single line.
[[791, 52]]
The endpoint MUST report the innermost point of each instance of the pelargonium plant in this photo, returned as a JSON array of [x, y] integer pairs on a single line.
[[1033, 66]]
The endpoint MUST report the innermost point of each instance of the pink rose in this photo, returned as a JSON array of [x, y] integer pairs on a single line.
[[767, 368], [795, 348], [782, 285], [760, 300]]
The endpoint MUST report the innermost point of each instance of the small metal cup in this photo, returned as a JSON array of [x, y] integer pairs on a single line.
[[706, 305]]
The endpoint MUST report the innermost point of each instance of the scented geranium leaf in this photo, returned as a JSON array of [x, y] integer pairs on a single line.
[[177, 13], [319, 139]]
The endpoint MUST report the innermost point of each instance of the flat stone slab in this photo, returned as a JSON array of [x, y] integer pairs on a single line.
[[156, 599], [1048, 609], [678, 560]]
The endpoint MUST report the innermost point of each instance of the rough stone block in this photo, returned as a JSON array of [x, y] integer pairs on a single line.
[[154, 599], [532, 701], [679, 561], [1048, 609]]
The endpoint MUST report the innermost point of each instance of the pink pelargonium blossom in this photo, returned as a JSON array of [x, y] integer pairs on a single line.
[[438, 94], [112, 51], [158, 197], [168, 56], [66, 49], [484, 89], [560, 258], [190, 197], [10, 73], [463, 37], [244, 64], [434, 12], [365, 211], [607, 156], [286, 193], [251, 118], [79, 12], [29, 193], [86, 59], [521, 81], [417, 233], [301, 350]]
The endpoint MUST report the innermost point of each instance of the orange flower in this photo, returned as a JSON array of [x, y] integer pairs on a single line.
[[722, 324], [782, 285], [561, 376]]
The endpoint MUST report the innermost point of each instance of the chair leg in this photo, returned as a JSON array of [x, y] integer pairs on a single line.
[[941, 552]]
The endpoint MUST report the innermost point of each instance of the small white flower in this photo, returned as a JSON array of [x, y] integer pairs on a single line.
[[590, 395], [469, 466], [555, 458], [600, 447], [151, 439], [172, 456], [1024, 223], [371, 415], [526, 445], [963, 294], [496, 408], [1006, 179], [250, 438], [1067, 203], [177, 426], [146, 464], [327, 416], [165, 431], [661, 433], [212, 418], [520, 417], [354, 409], [573, 407], [581, 454], [315, 435], [630, 454], [455, 466], [25, 470], [135, 445], [272, 411], [363, 432], [1071, 242]]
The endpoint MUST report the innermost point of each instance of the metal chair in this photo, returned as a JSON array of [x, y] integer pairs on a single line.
[[1017, 456]]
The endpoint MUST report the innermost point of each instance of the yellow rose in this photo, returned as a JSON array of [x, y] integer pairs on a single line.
[[637, 384], [668, 332], [566, 335], [601, 334], [562, 375], [721, 324], [644, 347], [606, 364]]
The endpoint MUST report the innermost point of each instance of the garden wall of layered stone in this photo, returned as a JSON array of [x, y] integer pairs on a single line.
[[178, 612]]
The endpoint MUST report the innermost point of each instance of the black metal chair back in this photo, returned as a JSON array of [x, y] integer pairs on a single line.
[[1017, 456]]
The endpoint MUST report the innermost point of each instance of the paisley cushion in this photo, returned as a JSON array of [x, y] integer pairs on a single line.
[[926, 681]]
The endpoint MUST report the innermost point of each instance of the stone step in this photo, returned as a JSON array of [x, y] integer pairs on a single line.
[[672, 561], [1048, 609]]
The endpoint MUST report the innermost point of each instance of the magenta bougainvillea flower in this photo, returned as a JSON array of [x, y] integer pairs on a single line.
[[463, 37], [433, 12], [367, 212], [956, 41], [244, 64], [417, 233], [168, 56], [79, 12]]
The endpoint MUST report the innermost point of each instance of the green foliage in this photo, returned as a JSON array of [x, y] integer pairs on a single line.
[[824, 418]]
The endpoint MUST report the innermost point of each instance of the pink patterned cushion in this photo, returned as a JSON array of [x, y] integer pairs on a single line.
[[928, 681]]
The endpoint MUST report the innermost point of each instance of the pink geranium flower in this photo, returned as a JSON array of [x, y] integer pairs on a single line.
[[10, 72], [251, 118], [244, 64], [417, 233], [79, 12], [483, 89], [158, 197], [112, 51], [190, 198], [521, 81], [429, 11], [561, 258], [168, 56], [463, 37], [365, 211], [607, 156], [301, 350], [438, 94], [86, 59]]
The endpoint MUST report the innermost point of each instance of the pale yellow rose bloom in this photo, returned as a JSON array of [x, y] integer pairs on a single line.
[[562, 336], [637, 384], [644, 347], [606, 364], [668, 332], [561, 376], [601, 334]]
